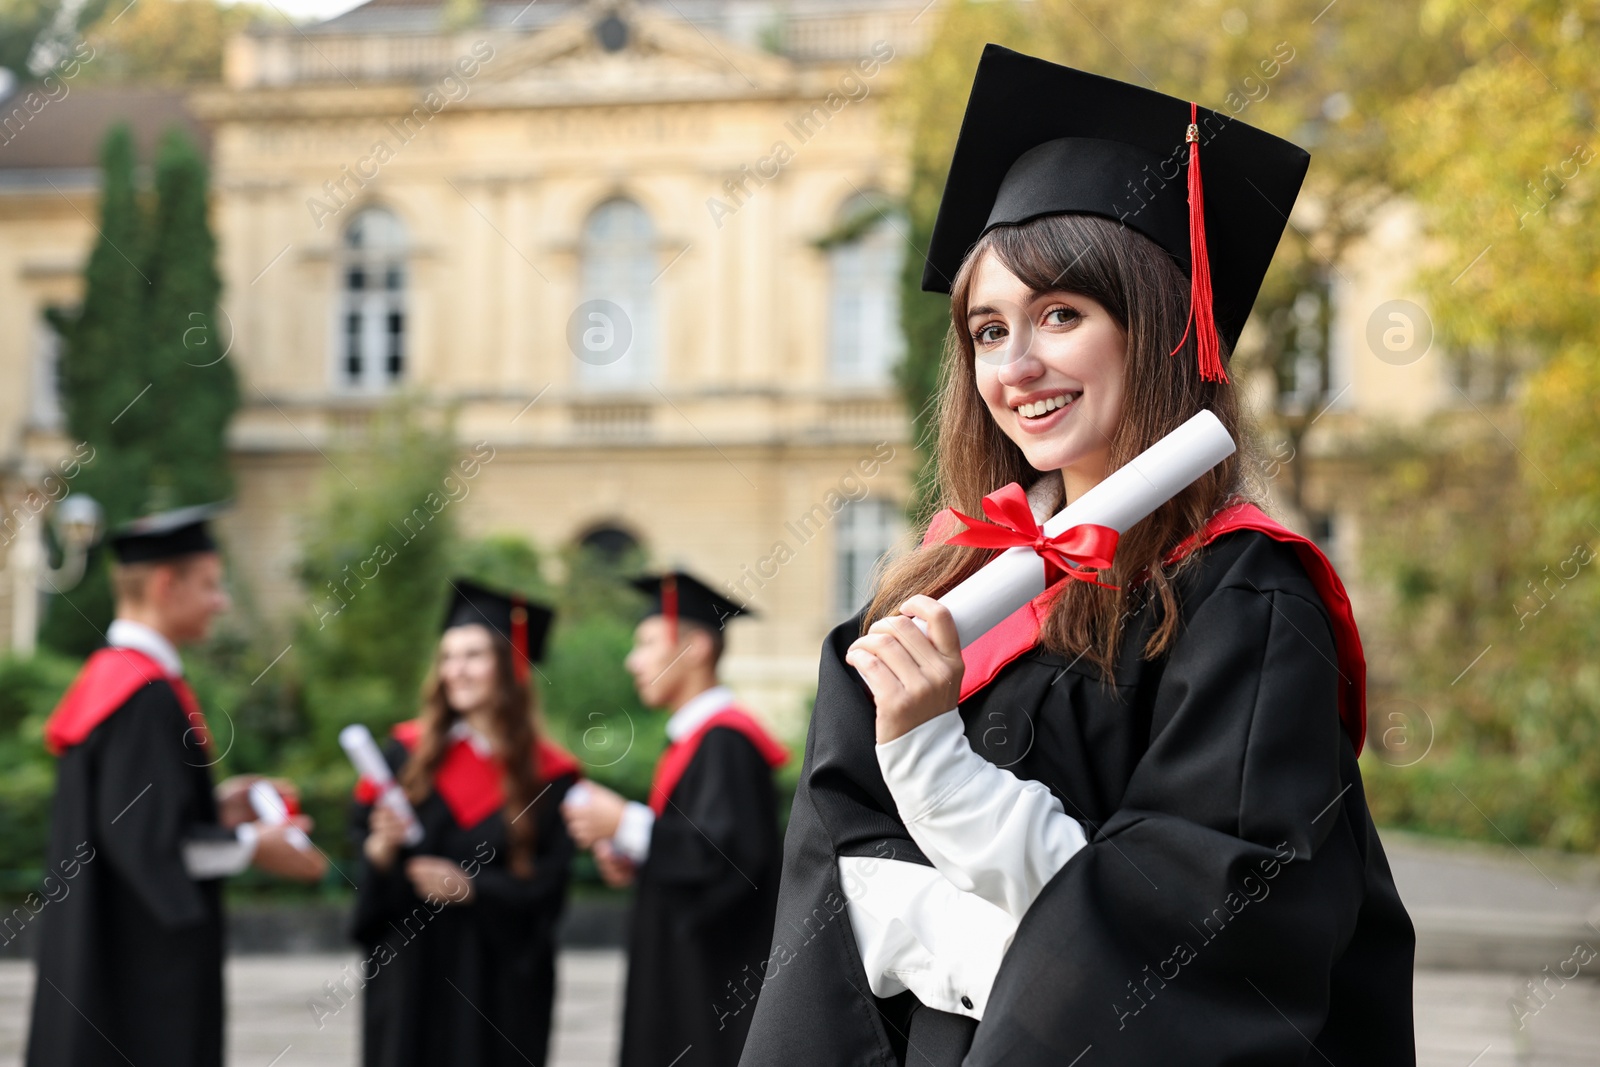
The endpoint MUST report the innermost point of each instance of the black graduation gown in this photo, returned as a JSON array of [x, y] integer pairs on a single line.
[[702, 916], [469, 983], [130, 959], [1233, 905]]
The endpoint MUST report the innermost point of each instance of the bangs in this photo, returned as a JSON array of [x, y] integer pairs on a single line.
[[1074, 252]]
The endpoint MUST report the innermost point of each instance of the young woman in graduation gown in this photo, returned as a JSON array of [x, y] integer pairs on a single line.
[[1126, 826], [459, 930]]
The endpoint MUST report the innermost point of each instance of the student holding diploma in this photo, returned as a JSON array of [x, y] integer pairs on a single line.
[[1126, 825], [704, 852], [130, 960], [460, 927]]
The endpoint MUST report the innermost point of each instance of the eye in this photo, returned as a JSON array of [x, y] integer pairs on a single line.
[[989, 334], [1061, 315]]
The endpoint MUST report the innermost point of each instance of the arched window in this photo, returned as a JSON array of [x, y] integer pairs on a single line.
[[372, 341], [617, 337], [611, 544], [864, 532], [864, 260], [45, 399]]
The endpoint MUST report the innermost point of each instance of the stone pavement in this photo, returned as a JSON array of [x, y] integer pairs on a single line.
[[1488, 907], [1462, 1018], [1489, 921]]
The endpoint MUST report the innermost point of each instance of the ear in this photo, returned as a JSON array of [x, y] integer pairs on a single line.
[[159, 586], [701, 644]]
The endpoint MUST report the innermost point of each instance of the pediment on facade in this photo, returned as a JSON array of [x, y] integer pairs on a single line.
[[658, 58]]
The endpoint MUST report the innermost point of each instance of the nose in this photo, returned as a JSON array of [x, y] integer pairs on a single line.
[[1020, 364]]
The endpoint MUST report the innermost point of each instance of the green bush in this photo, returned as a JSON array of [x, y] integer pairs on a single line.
[[29, 691]]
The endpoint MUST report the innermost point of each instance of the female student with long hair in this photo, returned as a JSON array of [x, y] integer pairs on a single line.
[[460, 928], [1127, 825]]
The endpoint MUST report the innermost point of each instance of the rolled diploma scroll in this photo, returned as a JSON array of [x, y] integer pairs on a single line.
[[357, 742], [1125, 496], [270, 809]]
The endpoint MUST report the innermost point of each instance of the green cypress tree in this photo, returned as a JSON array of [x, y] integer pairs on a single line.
[[100, 376], [145, 377], [185, 347]]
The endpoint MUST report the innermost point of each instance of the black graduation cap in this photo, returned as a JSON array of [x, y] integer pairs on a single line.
[[677, 594], [523, 622], [166, 534], [1041, 139]]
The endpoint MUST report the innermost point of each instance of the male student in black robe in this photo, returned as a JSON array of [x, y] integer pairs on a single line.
[[130, 960], [704, 852]]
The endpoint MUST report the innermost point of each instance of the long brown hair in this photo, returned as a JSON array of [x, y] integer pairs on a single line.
[[1145, 290], [512, 737]]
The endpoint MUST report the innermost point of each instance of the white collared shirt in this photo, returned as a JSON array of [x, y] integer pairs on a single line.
[[632, 838], [126, 633], [696, 710], [462, 730], [202, 858]]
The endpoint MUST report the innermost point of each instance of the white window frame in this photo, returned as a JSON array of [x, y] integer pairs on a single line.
[[617, 255], [380, 257]]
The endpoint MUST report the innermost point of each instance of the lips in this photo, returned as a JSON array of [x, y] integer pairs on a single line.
[[1044, 406]]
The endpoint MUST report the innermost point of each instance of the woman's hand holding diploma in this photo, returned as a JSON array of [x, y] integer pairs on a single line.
[[429, 875], [386, 833], [914, 676]]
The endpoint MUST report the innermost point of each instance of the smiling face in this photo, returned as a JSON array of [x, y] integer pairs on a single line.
[[1049, 366], [467, 668]]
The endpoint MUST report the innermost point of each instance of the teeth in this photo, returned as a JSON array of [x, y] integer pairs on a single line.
[[1042, 407]]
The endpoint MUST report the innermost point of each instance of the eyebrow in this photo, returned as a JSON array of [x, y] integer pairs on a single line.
[[1033, 294]]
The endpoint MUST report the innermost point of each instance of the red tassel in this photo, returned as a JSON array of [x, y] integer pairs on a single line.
[[669, 606], [1201, 315], [519, 639]]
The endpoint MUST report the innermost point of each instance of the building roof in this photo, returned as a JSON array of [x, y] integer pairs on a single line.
[[65, 133]]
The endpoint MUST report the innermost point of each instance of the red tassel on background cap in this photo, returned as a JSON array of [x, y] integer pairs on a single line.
[[669, 606], [519, 639], [1201, 316]]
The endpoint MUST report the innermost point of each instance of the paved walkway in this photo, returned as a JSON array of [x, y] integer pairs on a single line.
[[1462, 1017], [1488, 921]]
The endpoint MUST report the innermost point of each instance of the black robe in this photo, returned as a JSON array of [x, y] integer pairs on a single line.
[[130, 958], [470, 983], [1233, 905], [702, 917]]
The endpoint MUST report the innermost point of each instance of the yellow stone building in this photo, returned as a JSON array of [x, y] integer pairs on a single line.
[[607, 231], [647, 249]]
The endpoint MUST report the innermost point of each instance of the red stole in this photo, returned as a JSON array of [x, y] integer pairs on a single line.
[[107, 680], [1019, 632], [679, 754], [471, 785]]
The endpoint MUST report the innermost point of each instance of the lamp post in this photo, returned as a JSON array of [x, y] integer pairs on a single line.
[[77, 521]]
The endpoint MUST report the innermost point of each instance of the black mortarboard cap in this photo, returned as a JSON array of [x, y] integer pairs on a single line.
[[166, 534], [1041, 139], [677, 594], [523, 622]]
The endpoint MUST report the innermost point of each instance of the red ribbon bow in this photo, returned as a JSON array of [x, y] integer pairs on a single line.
[[1092, 546]]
